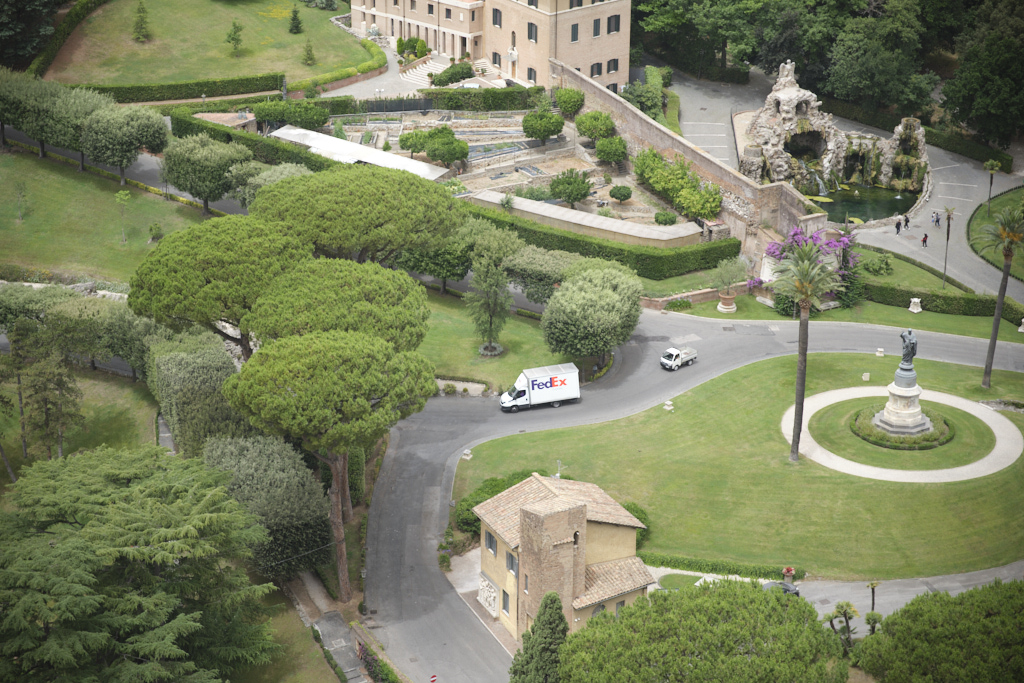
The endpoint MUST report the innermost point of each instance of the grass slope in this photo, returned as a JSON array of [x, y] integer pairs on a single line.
[[301, 661], [747, 308], [118, 412], [71, 222], [188, 43], [714, 476], [973, 441], [452, 345], [1006, 201]]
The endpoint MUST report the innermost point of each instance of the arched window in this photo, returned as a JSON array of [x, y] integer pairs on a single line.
[[576, 538], [597, 610], [513, 38]]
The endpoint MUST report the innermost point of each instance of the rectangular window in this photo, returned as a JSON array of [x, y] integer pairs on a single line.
[[575, 3], [504, 602], [531, 3], [595, 69], [395, 3], [531, 75], [618, 606], [511, 563], [412, 5], [496, 59], [614, 87], [526, 577], [575, 34], [430, 8], [496, 17], [597, 27], [472, 15], [531, 32], [489, 541], [613, 65], [613, 23], [447, 13]]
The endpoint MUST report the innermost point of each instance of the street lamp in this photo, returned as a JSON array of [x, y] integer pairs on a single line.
[[949, 220]]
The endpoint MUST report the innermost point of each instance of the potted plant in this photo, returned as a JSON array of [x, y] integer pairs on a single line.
[[787, 574], [724, 278]]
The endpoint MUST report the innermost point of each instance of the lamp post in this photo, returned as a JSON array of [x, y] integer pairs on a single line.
[[949, 220]]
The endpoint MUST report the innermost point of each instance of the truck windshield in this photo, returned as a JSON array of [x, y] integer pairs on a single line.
[[669, 356]]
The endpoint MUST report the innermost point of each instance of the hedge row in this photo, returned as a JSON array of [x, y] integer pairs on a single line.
[[723, 567], [957, 144], [185, 90], [914, 262], [219, 106], [377, 60], [656, 263], [268, 150], [453, 74], [941, 301], [996, 263], [491, 99], [72, 19]]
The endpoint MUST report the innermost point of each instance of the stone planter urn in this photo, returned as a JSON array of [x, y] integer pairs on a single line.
[[787, 574], [726, 303]]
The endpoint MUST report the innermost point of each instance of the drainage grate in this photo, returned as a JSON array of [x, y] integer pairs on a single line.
[[728, 329]]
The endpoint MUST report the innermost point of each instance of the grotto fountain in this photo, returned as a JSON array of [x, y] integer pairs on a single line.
[[858, 175]]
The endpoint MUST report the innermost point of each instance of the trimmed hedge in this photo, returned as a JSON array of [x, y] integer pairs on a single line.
[[923, 266], [184, 90], [656, 263], [453, 74], [979, 207], [219, 106], [268, 150], [72, 19], [377, 60], [862, 427], [724, 567], [957, 144], [940, 301], [491, 99]]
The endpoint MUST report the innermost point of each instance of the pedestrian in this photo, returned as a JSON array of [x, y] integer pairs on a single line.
[[906, 222], [924, 240], [898, 224], [935, 219]]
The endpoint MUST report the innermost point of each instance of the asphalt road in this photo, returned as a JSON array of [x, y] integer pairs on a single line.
[[418, 616]]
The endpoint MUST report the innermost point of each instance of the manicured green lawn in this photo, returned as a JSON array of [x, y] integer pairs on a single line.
[[1008, 200], [713, 475], [747, 308], [698, 279], [672, 111], [71, 222], [903, 273], [452, 345], [188, 43], [676, 581], [118, 413], [973, 441]]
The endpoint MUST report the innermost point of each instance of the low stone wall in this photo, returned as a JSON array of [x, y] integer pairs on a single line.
[[697, 296], [402, 68]]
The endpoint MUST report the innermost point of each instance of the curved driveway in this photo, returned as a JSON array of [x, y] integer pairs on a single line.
[[424, 624]]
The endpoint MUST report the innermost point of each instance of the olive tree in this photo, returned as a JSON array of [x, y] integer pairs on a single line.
[[67, 120], [199, 165]]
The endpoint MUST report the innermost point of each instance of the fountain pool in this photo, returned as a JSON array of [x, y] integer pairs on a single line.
[[866, 202]]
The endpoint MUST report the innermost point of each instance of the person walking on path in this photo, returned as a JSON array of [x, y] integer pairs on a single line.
[[906, 222], [924, 240], [898, 224]]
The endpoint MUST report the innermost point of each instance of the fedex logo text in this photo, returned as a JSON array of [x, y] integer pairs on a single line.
[[553, 382]]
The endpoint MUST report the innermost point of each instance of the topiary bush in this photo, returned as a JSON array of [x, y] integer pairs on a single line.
[[941, 434], [665, 218], [621, 193], [569, 100]]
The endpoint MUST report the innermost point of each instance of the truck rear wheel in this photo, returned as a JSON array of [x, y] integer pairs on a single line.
[[514, 409], [555, 404]]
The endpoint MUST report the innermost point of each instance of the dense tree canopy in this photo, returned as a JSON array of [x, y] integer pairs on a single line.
[[592, 313], [329, 294], [124, 566], [537, 661], [728, 631], [595, 125], [199, 165], [25, 28], [115, 135], [213, 273], [70, 112], [363, 213], [541, 125], [245, 192], [331, 391]]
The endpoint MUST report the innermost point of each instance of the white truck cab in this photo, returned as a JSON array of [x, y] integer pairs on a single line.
[[673, 358], [554, 384]]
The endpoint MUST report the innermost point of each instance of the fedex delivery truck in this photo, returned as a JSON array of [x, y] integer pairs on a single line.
[[554, 384]]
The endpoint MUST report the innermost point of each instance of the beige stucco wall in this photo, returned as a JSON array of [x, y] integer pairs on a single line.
[[580, 616], [607, 542], [493, 565]]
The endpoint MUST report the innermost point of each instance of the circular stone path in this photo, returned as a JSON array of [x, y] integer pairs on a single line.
[[1009, 440]]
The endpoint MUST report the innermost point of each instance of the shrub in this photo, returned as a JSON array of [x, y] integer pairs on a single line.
[[665, 218], [942, 432], [595, 125], [304, 114], [641, 514], [540, 125], [656, 263], [723, 567], [621, 192], [468, 522], [879, 266], [182, 90], [516, 97], [569, 100], [536, 271], [571, 186], [421, 49], [449, 389], [679, 305], [606, 212], [453, 74], [537, 193], [612, 150]]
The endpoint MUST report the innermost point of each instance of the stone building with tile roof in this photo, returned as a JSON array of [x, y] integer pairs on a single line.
[[546, 534]]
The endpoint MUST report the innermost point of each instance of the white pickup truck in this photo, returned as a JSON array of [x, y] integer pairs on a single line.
[[554, 384], [673, 358]]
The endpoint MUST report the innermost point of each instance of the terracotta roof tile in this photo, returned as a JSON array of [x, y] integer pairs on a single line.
[[501, 513], [611, 579]]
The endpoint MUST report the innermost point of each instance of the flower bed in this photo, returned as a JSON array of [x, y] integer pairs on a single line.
[[941, 434]]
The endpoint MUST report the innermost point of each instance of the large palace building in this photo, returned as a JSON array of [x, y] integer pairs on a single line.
[[515, 37]]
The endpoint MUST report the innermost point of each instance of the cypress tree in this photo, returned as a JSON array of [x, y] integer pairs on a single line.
[[296, 24], [309, 59], [140, 32], [537, 661]]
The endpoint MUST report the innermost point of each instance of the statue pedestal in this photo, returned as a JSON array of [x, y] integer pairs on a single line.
[[902, 415]]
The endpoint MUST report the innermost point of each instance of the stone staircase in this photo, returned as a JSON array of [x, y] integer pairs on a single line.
[[418, 75]]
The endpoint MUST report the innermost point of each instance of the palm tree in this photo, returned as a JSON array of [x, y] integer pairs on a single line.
[[1007, 236], [991, 166], [805, 279]]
